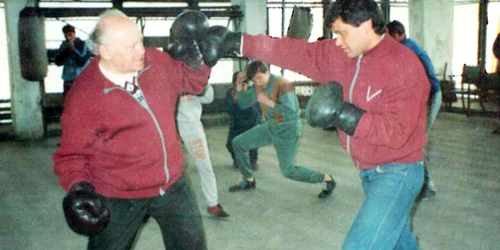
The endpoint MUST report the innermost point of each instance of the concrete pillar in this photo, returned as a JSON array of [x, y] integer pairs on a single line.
[[254, 21], [431, 26], [27, 119], [255, 16]]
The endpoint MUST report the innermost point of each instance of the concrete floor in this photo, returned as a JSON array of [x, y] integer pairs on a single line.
[[280, 213]]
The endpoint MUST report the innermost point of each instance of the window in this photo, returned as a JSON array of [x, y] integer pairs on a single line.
[[53, 39], [279, 25], [222, 72], [400, 12], [152, 27], [465, 39], [4, 59]]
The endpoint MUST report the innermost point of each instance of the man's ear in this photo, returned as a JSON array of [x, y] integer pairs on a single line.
[[400, 37], [367, 25], [105, 52]]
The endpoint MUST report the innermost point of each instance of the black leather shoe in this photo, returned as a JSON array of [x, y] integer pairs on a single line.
[[243, 185], [330, 186]]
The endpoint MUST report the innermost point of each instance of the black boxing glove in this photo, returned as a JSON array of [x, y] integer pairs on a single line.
[[84, 211], [188, 26], [187, 52], [219, 42], [327, 108]]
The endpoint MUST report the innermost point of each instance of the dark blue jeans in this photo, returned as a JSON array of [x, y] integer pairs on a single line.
[[383, 221], [176, 213]]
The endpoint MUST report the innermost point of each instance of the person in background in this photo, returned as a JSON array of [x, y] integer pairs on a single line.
[[120, 158], [398, 32], [241, 120], [282, 129], [193, 136], [496, 52], [73, 55]]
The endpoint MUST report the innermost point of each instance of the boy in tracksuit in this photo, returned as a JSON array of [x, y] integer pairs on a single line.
[[282, 128]]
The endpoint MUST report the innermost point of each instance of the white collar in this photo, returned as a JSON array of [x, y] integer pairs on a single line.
[[118, 79]]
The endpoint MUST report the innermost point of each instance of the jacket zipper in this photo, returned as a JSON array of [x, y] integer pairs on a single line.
[[351, 90], [157, 125]]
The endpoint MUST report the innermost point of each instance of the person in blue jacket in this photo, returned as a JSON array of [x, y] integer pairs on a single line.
[[73, 55], [398, 32]]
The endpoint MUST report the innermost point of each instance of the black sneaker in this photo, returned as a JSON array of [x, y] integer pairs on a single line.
[[427, 191], [243, 185], [330, 186]]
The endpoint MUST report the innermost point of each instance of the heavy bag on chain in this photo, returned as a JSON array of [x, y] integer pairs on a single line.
[[32, 51], [301, 23]]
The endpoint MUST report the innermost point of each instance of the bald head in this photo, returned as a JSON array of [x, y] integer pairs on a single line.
[[117, 29], [118, 42], [100, 33]]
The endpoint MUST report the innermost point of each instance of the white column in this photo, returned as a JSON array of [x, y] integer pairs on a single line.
[[255, 16], [254, 21], [27, 119], [431, 26]]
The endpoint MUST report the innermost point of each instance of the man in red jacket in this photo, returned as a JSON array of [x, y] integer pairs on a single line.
[[120, 158], [377, 103]]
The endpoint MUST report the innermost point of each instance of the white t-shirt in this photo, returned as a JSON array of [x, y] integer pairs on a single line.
[[128, 82], [118, 79]]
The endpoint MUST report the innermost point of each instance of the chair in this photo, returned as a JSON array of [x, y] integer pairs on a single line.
[[448, 89], [478, 85], [471, 87]]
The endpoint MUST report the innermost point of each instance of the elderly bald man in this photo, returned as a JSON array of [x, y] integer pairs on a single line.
[[120, 157]]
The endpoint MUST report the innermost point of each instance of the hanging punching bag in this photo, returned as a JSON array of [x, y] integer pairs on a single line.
[[32, 51], [301, 23]]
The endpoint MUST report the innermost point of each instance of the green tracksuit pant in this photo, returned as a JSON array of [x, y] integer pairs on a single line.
[[285, 139]]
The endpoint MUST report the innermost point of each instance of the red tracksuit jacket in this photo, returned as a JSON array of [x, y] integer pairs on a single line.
[[124, 149], [389, 82]]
